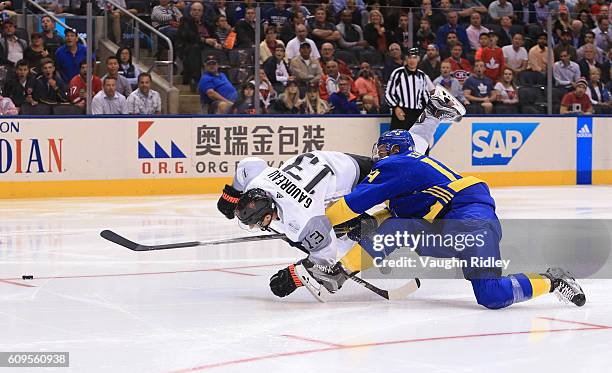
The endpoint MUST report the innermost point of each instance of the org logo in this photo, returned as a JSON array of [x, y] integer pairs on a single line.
[[160, 161], [495, 144], [159, 151]]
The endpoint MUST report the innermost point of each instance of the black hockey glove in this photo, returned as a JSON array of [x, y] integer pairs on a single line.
[[285, 281], [358, 227], [228, 201]]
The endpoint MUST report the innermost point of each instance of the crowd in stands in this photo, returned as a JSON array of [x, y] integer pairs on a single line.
[[331, 56]]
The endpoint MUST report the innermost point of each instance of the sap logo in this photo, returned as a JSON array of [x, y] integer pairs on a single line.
[[159, 152], [497, 143]]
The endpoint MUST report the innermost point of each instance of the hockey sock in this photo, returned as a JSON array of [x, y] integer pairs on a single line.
[[526, 286]]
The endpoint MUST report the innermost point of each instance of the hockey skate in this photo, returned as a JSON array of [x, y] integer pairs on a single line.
[[444, 106], [565, 286]]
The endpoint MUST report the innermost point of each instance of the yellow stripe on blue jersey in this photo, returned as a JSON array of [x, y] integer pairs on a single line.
[[339, 212]]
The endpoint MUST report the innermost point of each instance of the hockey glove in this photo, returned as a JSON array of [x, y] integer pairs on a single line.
[[357, 228], [285, 281], [228, 201], [331, 277]]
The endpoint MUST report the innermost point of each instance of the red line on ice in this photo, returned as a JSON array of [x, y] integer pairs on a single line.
[[235, 272], [222, 269], [17, 283], [311, 340], [374, 344], [576, 322]]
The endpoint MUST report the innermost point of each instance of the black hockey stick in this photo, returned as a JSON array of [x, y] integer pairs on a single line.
[[120, 240]]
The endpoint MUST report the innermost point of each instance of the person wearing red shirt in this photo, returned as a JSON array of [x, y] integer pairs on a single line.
[[77, 89], [491, 55], [460, 67], [577, 102]]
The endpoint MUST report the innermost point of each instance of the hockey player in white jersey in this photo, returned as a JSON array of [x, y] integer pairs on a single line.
[[442, 105], [292, 200]]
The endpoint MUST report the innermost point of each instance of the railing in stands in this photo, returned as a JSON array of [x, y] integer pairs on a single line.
[[170, 61]]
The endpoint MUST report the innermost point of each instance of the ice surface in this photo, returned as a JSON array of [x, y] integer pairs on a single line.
[[209, 308]]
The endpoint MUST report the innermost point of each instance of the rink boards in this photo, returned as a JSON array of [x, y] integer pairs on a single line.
[[43, 157]]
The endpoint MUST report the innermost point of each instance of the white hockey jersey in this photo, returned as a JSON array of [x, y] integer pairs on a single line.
[[302, 189]]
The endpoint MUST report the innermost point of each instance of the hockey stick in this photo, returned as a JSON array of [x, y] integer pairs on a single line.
[[120, 240]]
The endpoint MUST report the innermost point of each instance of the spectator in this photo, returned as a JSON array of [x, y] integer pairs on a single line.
[[304, 68], [313, 104], [12, 47], [356, 8], [194, 37], [296, 6], [564, 22], [266, 91], [542, 10], [475, 30], [343, 101], [327, 54], [144, 100], [289, 101], [500, 8], [426, 12], [278, 15], [515, 55], [241, 8], [394, 61], [424, 37], [35, 52], [470, 7], [122, 84], [323, 31], [116, 16], [375, 32], [351, 36], [597, 8], [603, 34], [68, 57], [126, 68], [524, 12], [369, 105], [440, 16], [447, 81], [589, 38], [277, 69], [589, 62], [401, 35], [367, 83], [598, 94], [222, 32], [245, 30], [51, 38], [565, 45], [460, 67], [478, 89], [246, 101], [507, 94], [108, 101], [269, 44], [7, 107], [329, 81], [289, 30], [585, 21], [582, 6], [216, 91], [77, 87], [505, 34], [538, 55], [452, 25], [218, 8], [166, 18], [51, 88], [577, 102], [22, 86], [577, 33], [451, 41], [294, 45], [492, 56], [430, 65], [566, 72]]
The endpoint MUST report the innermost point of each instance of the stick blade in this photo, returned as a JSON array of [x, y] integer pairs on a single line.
[[403, 291], [120, 240]]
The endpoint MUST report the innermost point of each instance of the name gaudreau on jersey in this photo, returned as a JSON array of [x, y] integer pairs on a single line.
[[290, 188]]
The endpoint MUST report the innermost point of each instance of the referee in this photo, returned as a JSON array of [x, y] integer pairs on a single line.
[[407, 92]]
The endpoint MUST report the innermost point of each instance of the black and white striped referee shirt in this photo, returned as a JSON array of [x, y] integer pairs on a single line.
[[408, 89]]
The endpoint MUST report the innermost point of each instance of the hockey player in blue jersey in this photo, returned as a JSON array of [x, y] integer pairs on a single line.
[[426, 191]]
